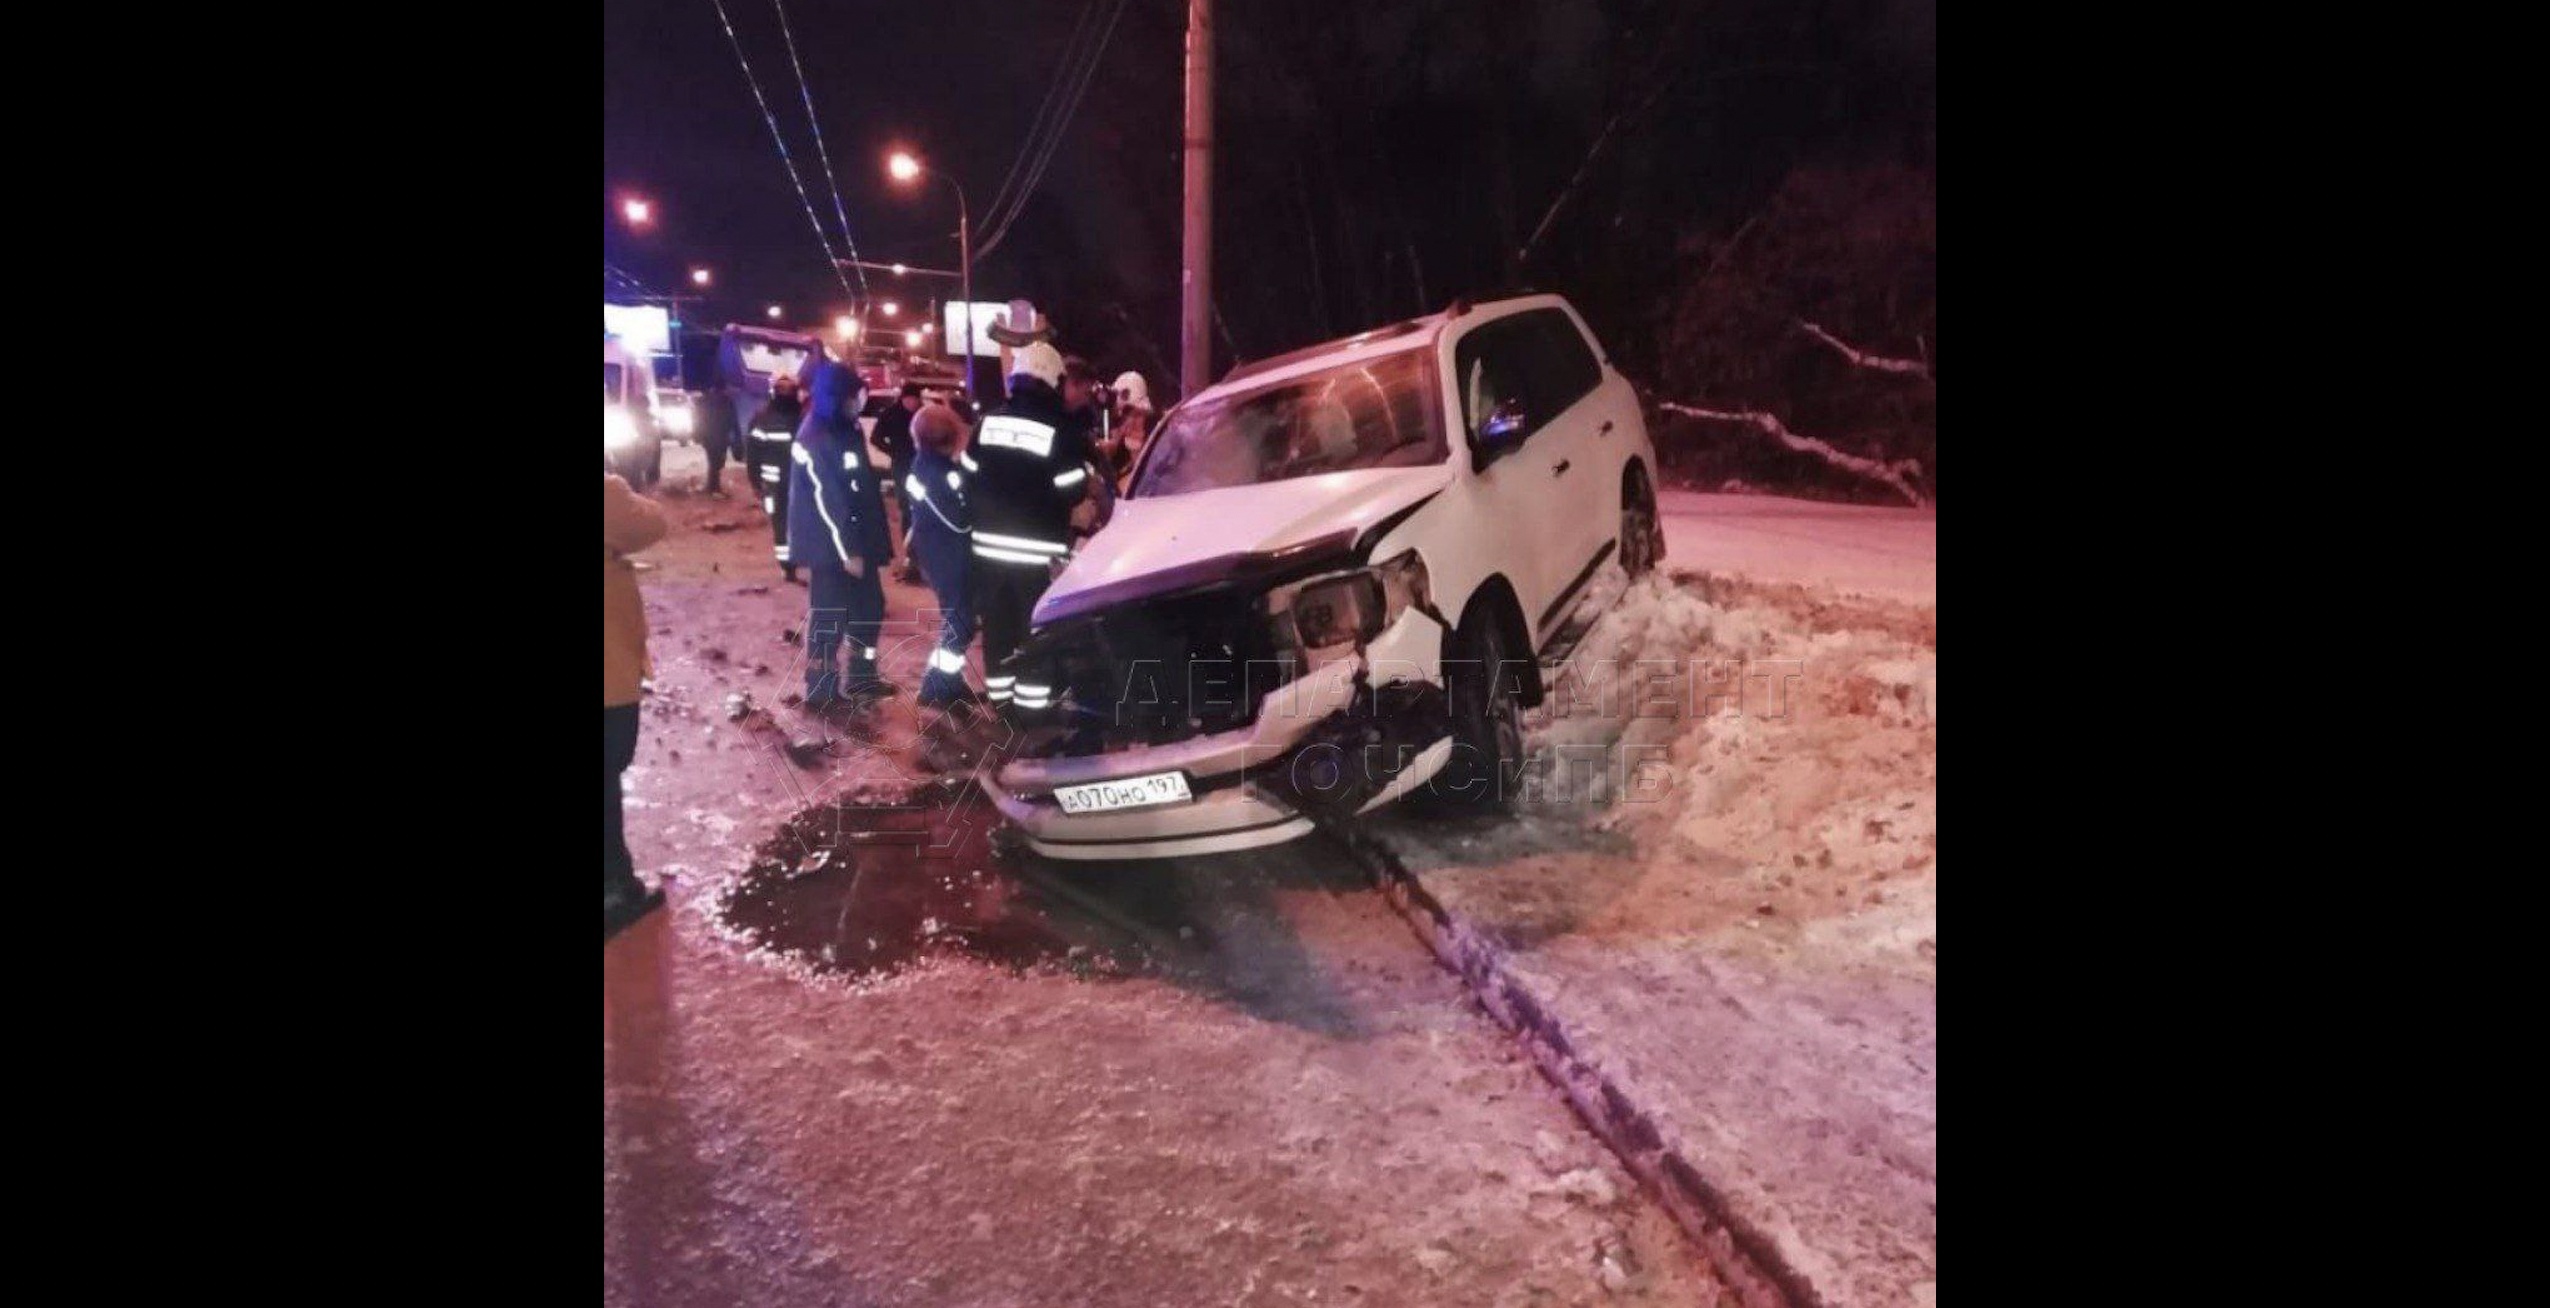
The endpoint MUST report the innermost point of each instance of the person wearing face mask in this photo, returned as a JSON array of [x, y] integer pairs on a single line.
[[766, 447], [837, 532]]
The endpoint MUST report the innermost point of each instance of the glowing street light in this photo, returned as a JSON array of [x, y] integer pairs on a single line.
[[899, 270], [637, 211], [773, 311], [912, 339], [699, 277], [891, 308], [906, 169], [845, 326]]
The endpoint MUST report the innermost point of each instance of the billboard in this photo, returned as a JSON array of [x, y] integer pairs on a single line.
[[985, 315], [645, 328]]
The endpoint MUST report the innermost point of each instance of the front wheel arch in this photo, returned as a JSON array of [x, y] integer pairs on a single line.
[[1494, 601]]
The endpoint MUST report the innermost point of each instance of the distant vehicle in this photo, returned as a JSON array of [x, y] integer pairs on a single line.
[[1337, 575], [674, 415], [881, 369], [632, 439], [748, 357]]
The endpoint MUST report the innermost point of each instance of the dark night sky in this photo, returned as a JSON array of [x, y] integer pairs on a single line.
[[1376, 157], [958, 80]]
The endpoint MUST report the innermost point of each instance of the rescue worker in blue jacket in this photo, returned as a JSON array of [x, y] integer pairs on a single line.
[[1033, 467], [937, 500], [766, 460], [837, 533]]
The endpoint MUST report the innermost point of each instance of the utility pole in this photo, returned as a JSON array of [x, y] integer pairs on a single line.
[[1195, 305]]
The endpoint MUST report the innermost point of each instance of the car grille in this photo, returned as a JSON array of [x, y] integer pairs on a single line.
[[1154, 672]]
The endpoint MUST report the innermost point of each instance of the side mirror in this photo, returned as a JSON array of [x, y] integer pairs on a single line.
[[1505, 428]]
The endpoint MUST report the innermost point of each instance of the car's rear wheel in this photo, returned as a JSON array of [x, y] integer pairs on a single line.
[[1486, 767], [1641, 538]]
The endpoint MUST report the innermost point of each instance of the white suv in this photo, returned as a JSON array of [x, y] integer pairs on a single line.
[[1335, 578]]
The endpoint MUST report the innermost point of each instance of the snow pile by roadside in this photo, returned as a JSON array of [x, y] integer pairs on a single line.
[[1789, 738]]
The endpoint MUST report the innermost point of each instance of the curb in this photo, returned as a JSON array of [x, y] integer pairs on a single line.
[[1743, 1256]]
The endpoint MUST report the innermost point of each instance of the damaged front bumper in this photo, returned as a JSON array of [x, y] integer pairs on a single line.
[[1349, 736]]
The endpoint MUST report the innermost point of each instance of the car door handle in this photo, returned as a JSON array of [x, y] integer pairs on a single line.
[[1561, 469]]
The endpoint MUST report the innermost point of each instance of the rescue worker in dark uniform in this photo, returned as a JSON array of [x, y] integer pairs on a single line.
[[893, 439], [1032, 469], [837, 533], [714, 426], [1080, 400], [937, 495], [766, 446]]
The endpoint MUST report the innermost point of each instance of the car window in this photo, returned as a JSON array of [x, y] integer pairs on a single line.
[[1538, 358], [1567, 370], [1368, 415], [1494, 363]]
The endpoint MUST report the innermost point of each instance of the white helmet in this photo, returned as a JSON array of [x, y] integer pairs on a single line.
[[1040, 361], [1133, 391]]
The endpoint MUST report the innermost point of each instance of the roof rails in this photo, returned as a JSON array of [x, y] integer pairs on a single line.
[[1464, 303], [1291, 357]]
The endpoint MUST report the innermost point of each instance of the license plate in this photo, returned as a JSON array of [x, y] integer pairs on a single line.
[[1132, 792]]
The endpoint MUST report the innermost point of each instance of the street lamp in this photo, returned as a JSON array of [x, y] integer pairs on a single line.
[[699, 277], [904, 168], [845, 326], [912, 339], [899, 270], [891, 308], [637, 211], [773, 311]]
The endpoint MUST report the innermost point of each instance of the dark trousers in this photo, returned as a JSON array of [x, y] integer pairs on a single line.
[[619, 749], [901, 498], [944, 564], [768, 464], [716, 463], [842, 606], [1005, 596]]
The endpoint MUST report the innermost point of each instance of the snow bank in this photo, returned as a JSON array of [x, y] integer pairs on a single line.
[[1785, 739]]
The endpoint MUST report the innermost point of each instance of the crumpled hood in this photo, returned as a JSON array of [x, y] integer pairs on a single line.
[[1171, 538]]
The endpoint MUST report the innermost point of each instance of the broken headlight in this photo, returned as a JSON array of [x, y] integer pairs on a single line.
[[1353, 608]]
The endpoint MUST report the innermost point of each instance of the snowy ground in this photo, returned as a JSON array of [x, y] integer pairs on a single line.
[[1724, 890], [1305, 1110], [1885, 553]]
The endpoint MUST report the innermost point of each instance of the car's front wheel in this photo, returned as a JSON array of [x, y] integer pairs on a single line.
[[1486, 768], [1641, 539]]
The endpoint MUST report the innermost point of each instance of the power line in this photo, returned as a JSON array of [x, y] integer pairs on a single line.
[[609, 270], [1088, 71], [1053, 141], [821, 152], [785, 159], [1072, 55]]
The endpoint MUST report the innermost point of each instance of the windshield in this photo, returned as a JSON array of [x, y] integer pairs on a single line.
[[1374, 414]]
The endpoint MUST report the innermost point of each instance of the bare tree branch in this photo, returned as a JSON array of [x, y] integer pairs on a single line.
[[1897, 474], [1875, 362]]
